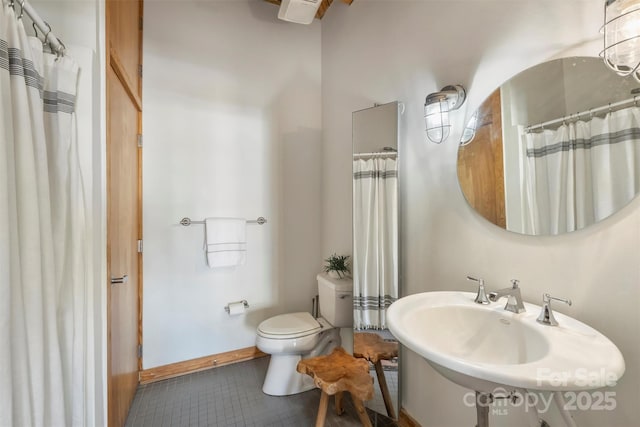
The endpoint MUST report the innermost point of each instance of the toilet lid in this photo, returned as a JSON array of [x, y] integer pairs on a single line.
[[290, 324]]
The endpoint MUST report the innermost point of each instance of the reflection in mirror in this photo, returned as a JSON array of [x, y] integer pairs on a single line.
[[375, 248], [554, 149]]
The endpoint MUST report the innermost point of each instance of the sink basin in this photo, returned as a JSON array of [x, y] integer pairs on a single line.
[[484, 347]]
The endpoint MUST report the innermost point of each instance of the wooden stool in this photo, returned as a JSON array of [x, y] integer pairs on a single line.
[[336, 373], [373, 348]]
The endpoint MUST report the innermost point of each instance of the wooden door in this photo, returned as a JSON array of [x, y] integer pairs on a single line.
[[481, 166], [124, 111]]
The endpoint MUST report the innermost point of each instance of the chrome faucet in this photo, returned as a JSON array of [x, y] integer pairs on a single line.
[[546, 315], [481, 296], [514, 298]]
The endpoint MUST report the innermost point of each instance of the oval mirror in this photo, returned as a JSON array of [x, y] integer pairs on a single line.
[[554, 149]]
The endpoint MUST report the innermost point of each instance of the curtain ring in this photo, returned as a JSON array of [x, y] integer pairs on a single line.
[[44, 42], [60, 51], [12, 4], [21, 9], [35, 29]]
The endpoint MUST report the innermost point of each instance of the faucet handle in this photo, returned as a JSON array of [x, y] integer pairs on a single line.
[[515, 283], [481, 296], [547, 298], [546, 316]]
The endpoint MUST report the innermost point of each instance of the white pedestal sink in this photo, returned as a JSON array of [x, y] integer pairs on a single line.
[[484, 347]]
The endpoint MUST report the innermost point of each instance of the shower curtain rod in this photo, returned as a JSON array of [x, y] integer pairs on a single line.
[[379, 154], [54, 42], [609, 107]]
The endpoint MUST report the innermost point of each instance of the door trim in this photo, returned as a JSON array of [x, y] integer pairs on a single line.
[[118, 68], [132, 86]]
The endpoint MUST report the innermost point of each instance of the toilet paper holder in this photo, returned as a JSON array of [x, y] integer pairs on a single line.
[[244, 302]]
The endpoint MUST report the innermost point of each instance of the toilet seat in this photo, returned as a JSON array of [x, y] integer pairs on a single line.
[[288, 326]]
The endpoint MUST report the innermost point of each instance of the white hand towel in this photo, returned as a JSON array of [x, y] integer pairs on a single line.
[[226, 242]]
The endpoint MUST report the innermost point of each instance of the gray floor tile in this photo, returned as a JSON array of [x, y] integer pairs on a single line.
[[231, 396]]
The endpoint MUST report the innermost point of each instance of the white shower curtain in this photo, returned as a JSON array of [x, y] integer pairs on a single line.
[[375, 240], [580, 173], [45, 349]]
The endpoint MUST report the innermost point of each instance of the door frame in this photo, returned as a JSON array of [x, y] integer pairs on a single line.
[[134, 91]]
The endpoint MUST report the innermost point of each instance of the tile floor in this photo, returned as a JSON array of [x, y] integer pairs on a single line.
[[231, 396], [377, 404]]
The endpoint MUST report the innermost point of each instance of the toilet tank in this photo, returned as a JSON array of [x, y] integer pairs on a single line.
[[336, 300]]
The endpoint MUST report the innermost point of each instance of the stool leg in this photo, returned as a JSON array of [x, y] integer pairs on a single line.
[[322, 409], [362, 413], [385, 390], [339, 408]]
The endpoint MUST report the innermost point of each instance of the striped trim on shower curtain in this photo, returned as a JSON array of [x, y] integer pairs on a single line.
[[13, 60], [582, 143]]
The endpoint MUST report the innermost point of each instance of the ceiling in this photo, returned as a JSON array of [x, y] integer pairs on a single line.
[[321, 10]]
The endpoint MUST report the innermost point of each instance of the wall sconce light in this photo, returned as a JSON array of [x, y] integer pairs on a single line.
[[436, 111], [621, 30]]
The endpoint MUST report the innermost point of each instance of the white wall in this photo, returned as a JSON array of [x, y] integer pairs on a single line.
[[231, 128], [80, 25], [379, 51]]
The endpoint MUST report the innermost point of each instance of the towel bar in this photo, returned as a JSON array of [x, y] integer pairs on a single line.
[[186, 221]]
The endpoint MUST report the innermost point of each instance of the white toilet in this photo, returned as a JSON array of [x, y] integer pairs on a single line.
[[288, 338]]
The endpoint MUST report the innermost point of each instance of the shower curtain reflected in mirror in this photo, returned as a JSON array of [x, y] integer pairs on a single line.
[[581, 172], [375, 267], [375, 240]]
